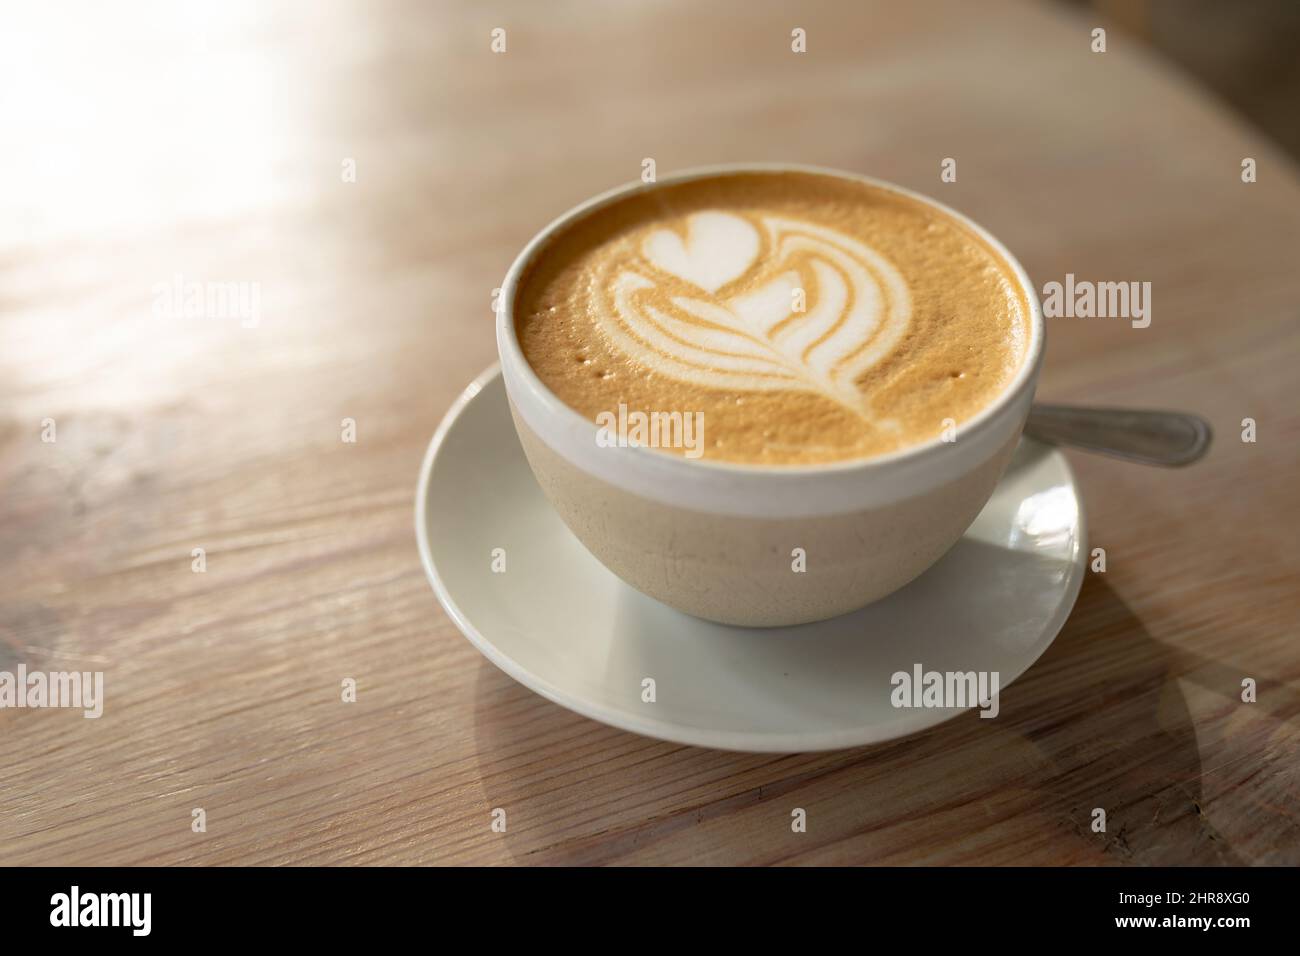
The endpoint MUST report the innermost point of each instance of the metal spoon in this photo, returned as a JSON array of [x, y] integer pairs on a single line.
[[1153, 438]]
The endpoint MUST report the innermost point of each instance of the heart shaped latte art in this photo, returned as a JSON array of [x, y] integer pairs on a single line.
[[718, 249], [820, 308]]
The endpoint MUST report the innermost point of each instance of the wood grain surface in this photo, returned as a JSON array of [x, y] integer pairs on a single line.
[[208, 142]]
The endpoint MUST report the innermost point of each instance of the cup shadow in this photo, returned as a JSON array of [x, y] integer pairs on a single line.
[[1097, 722]]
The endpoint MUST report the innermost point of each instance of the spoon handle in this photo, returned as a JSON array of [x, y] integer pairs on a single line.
[[1153, 438]]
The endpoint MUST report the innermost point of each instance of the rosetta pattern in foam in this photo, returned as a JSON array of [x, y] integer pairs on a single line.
[[720, 307]]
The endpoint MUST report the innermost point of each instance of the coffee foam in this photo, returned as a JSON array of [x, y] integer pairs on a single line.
[[810, 318]]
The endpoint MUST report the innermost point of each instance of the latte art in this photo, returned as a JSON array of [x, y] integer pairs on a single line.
[[755, 303], [809, 318]]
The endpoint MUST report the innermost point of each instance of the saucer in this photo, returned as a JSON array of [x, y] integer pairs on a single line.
[[550, 615]]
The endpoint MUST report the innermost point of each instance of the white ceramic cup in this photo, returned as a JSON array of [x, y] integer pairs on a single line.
[[718, 539]]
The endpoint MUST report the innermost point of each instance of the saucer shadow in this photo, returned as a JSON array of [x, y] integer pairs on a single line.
[[1097, 722], [809, 679]]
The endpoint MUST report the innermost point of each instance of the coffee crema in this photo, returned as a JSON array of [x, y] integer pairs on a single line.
[[809, 318]]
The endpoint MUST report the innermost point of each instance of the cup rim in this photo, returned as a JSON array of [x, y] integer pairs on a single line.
[[514, 361]]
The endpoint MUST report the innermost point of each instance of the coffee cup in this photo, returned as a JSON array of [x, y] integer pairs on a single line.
[[752, 543]]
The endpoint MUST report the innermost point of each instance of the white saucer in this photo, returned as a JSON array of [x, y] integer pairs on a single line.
[[562, 625]]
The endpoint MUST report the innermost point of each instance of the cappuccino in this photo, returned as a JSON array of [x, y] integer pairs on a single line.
[[806, 318]]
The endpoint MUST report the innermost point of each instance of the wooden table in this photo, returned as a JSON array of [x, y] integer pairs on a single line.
[[144, 153]]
